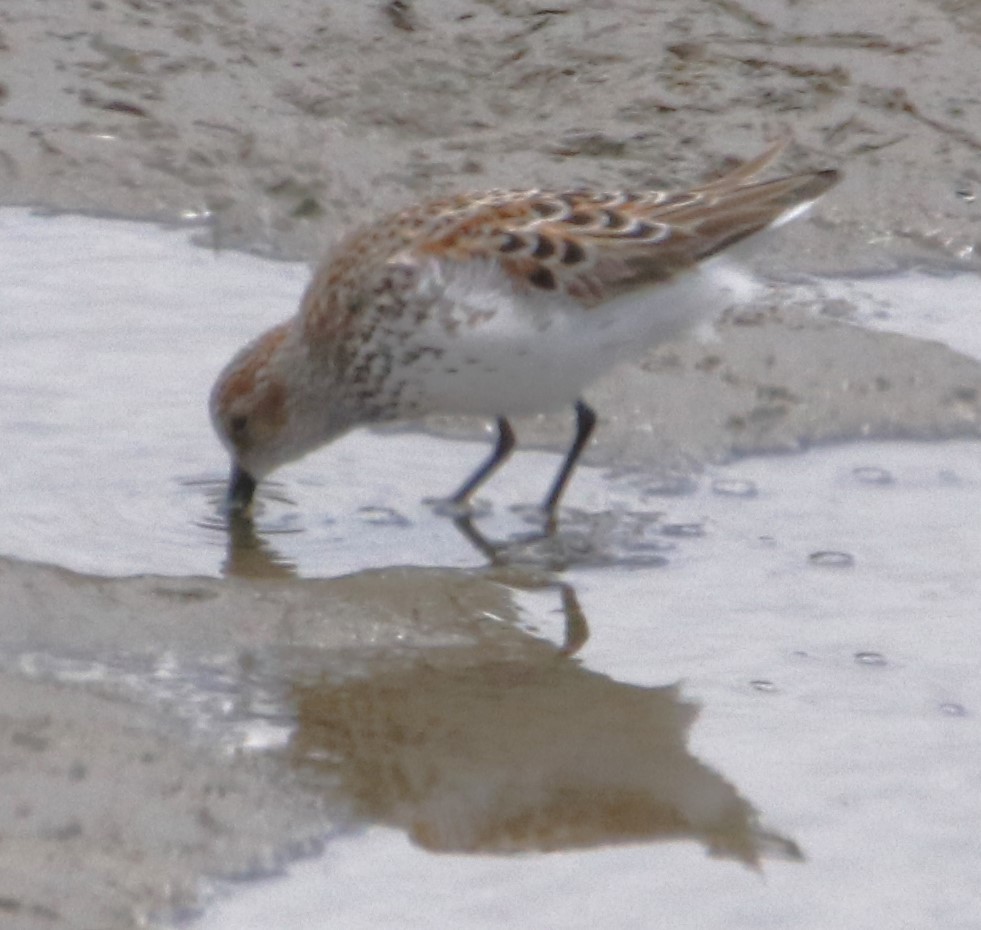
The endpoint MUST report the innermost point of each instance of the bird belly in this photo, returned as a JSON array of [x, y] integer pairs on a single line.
[[495, 352]]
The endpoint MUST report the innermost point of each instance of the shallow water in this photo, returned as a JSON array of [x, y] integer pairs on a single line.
[[112, 335], [823, 626], [774, 661]]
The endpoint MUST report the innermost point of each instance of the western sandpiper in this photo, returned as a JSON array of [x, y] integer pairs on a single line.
[[496, 304]]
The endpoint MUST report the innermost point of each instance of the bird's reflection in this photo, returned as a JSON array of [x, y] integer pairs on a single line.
[[250, 554], [527, 753], [496, 743]]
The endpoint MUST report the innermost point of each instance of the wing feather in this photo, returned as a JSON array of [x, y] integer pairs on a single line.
[[592, 246]]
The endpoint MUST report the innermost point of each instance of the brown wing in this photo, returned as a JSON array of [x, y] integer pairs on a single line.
[[592, 246]]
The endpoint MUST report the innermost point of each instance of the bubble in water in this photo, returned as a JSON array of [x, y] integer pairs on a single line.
[[762, 684], [965, 190], [871, 474], [382, 516], [870, 658], [953, 709], [828, 558], [196, 216], [734, 487]]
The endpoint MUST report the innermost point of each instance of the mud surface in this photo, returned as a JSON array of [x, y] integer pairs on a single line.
[[274, 127], [285, 126]]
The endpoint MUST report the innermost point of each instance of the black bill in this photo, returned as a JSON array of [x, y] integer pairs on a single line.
[[241, 488]]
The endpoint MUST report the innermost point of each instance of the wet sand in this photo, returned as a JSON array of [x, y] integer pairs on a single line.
[[276, 132]]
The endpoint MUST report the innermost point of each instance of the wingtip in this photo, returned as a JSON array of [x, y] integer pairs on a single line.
[[747, 171], [811, 188], [817, 182]]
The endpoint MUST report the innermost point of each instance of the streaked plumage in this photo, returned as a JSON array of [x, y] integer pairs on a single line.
[[497, 304]]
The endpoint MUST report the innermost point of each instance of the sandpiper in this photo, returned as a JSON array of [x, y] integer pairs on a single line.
[[497, 304]]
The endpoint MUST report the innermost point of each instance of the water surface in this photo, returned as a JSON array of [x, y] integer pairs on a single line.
[[769, 663]]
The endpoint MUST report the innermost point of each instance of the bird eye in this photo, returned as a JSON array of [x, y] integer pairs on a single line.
[[238, 424]]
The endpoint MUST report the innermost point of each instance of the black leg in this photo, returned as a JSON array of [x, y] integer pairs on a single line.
[[504, 447], [585, 421]]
